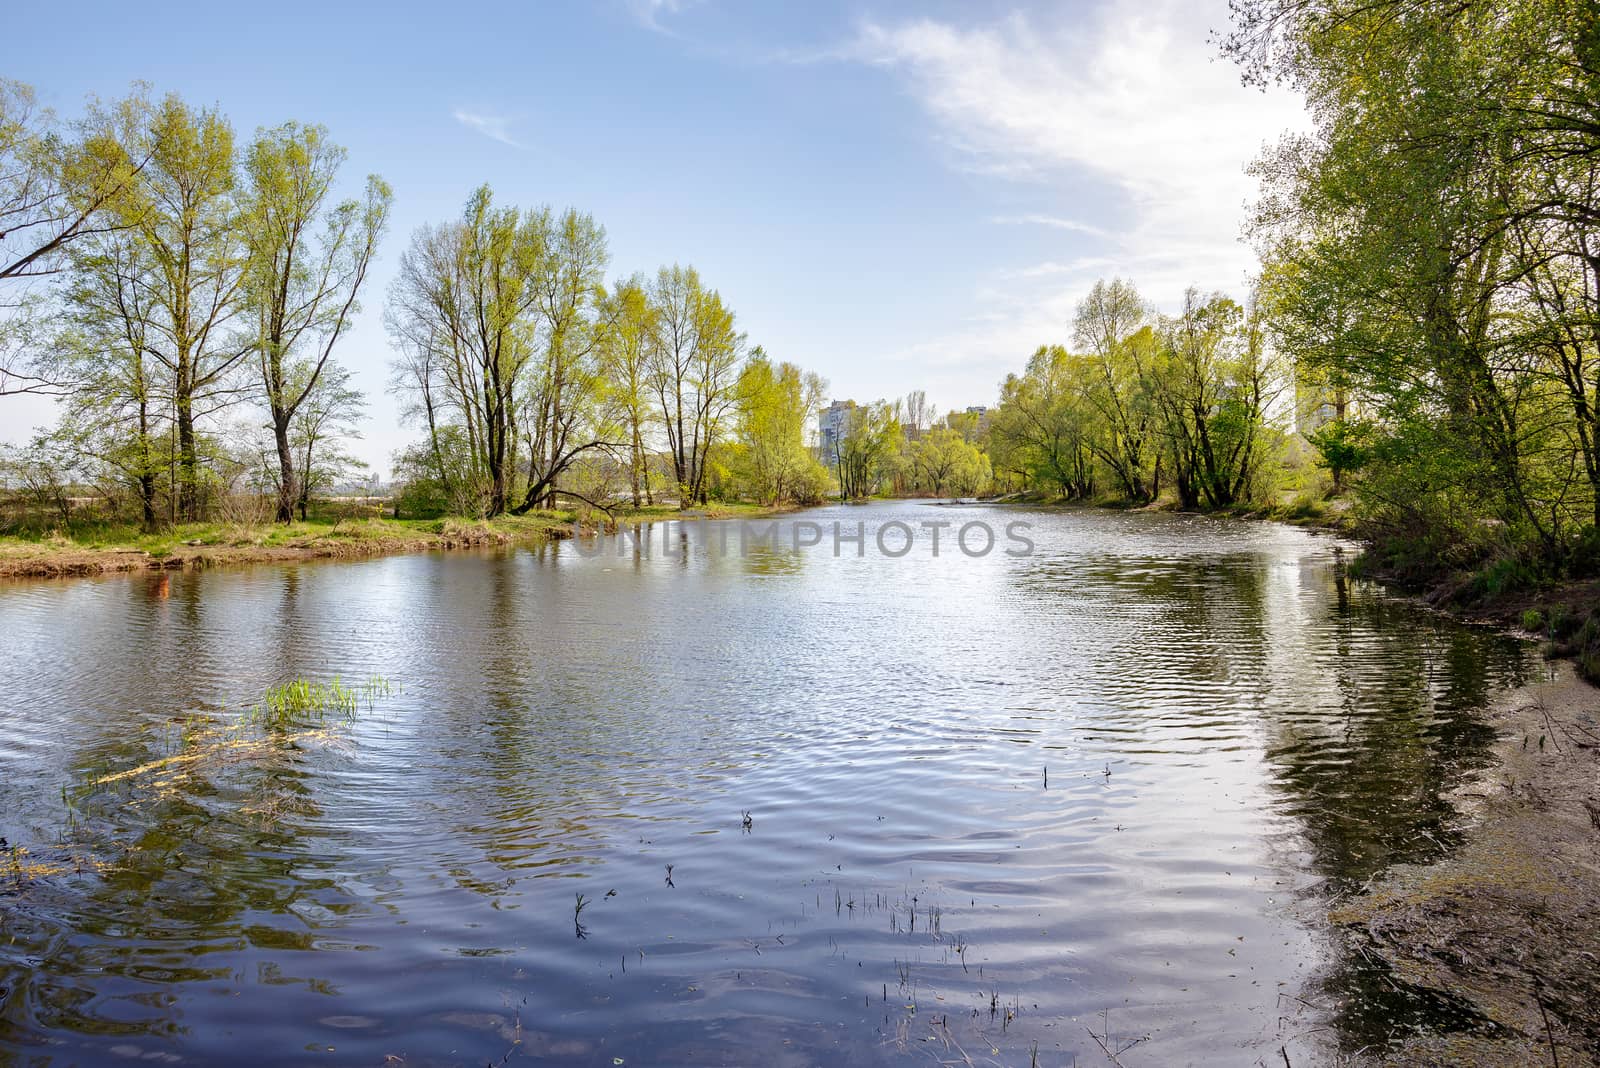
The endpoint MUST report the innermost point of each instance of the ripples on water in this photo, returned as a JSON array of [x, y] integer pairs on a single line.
[[1231, 733]]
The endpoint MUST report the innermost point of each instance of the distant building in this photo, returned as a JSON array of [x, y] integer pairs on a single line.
[[832, 423], [976, 423]]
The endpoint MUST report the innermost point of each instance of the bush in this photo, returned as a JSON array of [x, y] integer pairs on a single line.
[[813, 485], [1584, 557], [1578, 640], [1501, 577], [420, 498]]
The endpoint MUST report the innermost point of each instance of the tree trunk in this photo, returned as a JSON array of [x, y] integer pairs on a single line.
[[635, 462], [147, 476], [287, 494], [147, 499], [188, 463]]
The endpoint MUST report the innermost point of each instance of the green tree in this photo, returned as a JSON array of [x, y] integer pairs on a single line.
[[461, 310], [1042, 425], [120, 404], [1430, 252], [329, 418], [1112, 329], [1214, 383], [563, 394], [945, 460], [695, 356], [776, 402], [867, 444], [628, 325], [192, 260], [308, 258], [60, 184]]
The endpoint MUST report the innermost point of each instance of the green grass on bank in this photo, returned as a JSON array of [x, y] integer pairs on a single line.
[[104, 536], [369, 532]]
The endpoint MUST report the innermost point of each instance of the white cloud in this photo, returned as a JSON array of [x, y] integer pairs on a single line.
[[1054, 222], [1132, 97], [649, 13], [495, 127], [1080, 265]]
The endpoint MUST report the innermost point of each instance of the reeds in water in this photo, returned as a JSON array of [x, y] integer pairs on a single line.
[[302, 699]]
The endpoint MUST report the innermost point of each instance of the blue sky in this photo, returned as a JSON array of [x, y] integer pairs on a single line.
[[897, 196]]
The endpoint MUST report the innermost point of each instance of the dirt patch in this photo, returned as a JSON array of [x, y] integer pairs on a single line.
[[1510, 923]]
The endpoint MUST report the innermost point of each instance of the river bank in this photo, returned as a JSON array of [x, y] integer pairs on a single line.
[[211, 545], [1505, 926], [197, 545]]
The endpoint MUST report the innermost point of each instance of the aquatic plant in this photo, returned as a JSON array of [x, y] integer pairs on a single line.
[[300, 699], [291, 716]]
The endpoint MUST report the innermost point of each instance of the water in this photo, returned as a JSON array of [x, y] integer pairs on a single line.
[[1232, 733]]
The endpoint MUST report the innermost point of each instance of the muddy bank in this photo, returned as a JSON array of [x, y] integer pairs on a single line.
[[1509, 924]]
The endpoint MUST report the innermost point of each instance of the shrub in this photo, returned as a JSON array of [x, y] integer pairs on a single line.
[[1502, 577]]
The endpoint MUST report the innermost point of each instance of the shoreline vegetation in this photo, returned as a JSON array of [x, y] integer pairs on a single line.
[[98, 549]]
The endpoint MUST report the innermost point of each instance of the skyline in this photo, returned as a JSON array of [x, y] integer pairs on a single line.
[[894, 200]]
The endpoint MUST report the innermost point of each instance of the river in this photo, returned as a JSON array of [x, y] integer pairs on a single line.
[[1002, 807]]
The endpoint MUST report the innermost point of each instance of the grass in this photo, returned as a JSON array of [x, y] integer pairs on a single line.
[[125, 537], [86, 546], [291, 715], [301, 699]]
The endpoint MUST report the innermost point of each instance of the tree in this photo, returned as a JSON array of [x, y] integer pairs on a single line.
[[1042, 424], [461, 310], [182, 212], [564, 392], [775, 405], [694, 364], [43, 475], [1111, 327], [59, 184], [121, 400], [1430, 248], [944, 459], [919, 414], [871, 435], [307, 261], [497, 319], [627, 327], [1213, 384], [328, 416]]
